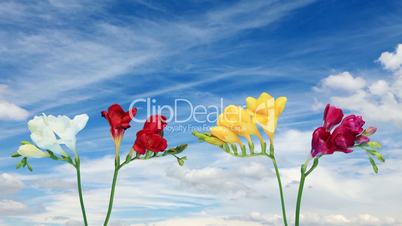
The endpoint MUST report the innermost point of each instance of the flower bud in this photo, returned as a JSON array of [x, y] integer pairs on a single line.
[[370, 131]]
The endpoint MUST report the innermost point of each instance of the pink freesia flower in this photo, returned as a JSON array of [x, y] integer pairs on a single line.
[[332, 116], [354, 123], [337, 134]]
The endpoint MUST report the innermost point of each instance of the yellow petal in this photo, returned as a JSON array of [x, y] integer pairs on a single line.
[[251, 103], [265, 105], [264, 97], [225, 134], [280, 104]]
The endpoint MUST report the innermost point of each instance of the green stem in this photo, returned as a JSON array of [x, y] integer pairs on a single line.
[[278, 177], [109, 211], [77, 167], [299, 194]]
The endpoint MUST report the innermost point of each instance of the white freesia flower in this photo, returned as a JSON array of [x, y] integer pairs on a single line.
[[48, 131], [43, 135], [30, 150], [66, 129]]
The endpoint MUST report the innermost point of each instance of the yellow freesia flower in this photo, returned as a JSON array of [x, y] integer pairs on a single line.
[[266, 111], [239, 121], [225, 134]]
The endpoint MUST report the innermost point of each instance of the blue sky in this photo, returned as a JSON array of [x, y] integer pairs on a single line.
[[59, 57]]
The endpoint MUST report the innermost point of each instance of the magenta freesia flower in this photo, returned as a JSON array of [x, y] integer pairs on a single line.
[[332, 116], [338, 133]]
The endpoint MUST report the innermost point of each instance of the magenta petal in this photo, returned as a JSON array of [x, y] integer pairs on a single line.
[[332, 116]]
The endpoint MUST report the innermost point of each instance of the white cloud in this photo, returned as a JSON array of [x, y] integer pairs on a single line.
[[8, 110], [10, 184], [392, 60], [263, 219], [372, 99], [379, 88], [202, 221], [343, 81], [10, 208]]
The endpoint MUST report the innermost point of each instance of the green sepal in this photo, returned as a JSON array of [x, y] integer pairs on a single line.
[[22, 163], [67, 159], [251, 147], [243, 149], [374, 144], [176, 150], [271, 150], [234, 148], [181, 148], [25, 142], [378, 155], [148, 154], [226, 148], [375, 168], [264, 147], [29, 167], [181, 160], [15, 155], [52, 155]]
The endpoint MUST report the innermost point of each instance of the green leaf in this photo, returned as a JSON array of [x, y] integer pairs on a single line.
[[378, 155], [25, 142], [375, 168], [15, 155], [374, 144]]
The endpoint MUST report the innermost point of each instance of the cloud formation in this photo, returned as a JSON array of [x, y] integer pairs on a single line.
[[9, 110], [373, 98]]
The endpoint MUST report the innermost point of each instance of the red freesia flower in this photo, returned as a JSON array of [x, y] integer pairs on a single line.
[[343, 138], [151, 136], [148, 140], [155, 123], [118, 119], [332, 116]]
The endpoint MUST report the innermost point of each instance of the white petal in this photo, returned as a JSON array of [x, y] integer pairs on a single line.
[[29, 150], [79, 122], [42, 135]]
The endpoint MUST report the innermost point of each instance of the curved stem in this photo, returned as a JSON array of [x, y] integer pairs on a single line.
[[278, 177], [109, 210], [77, 167], [299, 195]]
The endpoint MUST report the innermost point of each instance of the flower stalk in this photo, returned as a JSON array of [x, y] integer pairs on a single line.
[[303, 175], [77, 167], [278, 177]]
